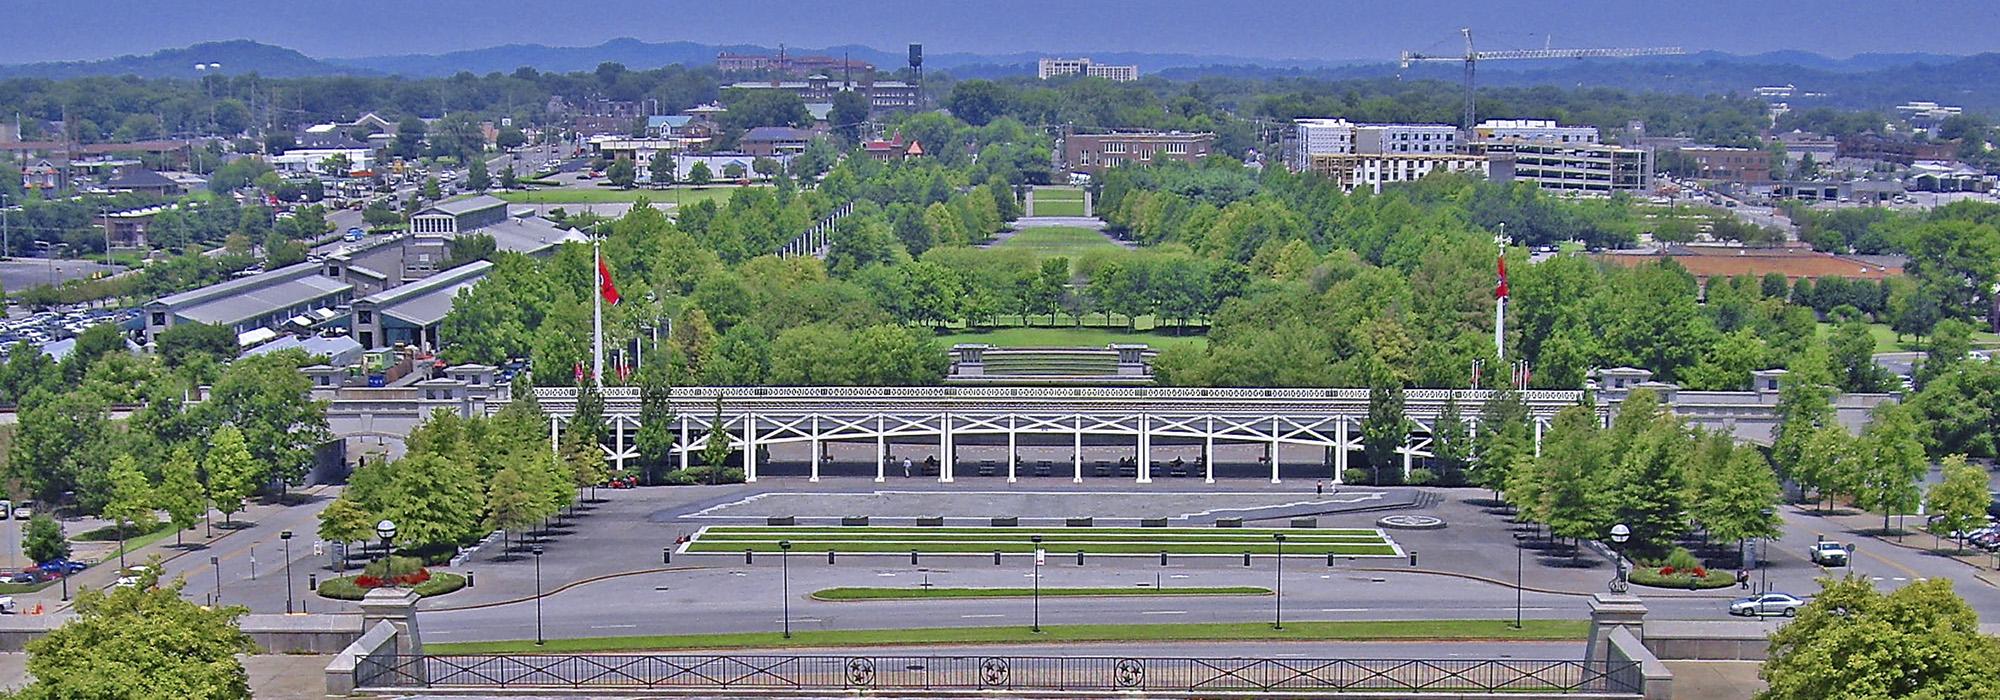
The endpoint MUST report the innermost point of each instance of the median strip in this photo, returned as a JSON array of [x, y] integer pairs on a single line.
[[1400, 630], [871, 593]]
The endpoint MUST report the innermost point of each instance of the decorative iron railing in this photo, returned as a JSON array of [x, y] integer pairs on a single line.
[[975, 672]]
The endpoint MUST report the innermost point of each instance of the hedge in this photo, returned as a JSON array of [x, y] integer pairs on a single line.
[[343, 588]]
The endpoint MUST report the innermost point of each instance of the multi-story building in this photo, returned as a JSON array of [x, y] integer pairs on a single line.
[[1902, 151], [1568, 168], [1927, 115], [786, 63], [1748, 166], [774, 140], [881, 94], [1406, 138], [1094, 153], [1371, 171], [1313, 137], [1799, 144], [1536, 130], [1056, 67]]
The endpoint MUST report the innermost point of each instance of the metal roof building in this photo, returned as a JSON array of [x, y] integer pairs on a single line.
[[410, 314], [247, 303]]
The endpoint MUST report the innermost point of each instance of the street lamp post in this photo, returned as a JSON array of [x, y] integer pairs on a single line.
[[1278, 622], [285, 536], [214, 562], [1037, 539], [785, 574], [539, 640], [387, 531], [1619, 534]]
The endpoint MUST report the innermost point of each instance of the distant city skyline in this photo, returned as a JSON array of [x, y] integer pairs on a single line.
[[1274, 29]]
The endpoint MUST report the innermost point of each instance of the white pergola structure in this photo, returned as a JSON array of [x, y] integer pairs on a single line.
[[756, 417]]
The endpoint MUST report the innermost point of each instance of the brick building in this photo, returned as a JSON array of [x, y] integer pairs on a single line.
[[1094, 153]]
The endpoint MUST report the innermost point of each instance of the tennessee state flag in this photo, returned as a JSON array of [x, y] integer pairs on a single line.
[[604, 285], [1499, 289]]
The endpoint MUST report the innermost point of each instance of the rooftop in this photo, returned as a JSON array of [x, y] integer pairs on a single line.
[[1719, 261], [249, 297], [776, 133], [529, 235], [425, 302], [465, 206]]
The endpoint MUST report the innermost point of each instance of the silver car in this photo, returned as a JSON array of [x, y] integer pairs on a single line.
[[1784, 604]]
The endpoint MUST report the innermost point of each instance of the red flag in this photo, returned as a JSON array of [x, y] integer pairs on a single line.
[[604, 285], [579, 371], [1500, 290]]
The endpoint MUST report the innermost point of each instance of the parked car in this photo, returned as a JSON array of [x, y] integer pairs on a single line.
[[1784, 604], [1828, 553], [62, 567], [24, 513], [25, 576]]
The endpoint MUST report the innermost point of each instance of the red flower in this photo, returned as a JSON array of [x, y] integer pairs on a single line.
[[1666, 571], [1700, 572], [366, 581]]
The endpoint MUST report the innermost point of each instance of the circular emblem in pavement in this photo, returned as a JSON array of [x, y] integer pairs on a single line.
[[1411, 522]]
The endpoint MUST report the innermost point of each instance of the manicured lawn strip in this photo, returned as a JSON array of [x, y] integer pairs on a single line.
[[1074, 208], [573, 195], [1059, 193], [1543, 630], [1047, 532], [808, 546], [924, 593], [1059, 240], [980, 539]]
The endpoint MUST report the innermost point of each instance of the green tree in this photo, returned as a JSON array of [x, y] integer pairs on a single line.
[[660, 170], [430, 190], [44, 540], [181, 344], [139, 642], [270, 402], [436, 501], [655, 438], [232, 472], [1505, 439], [1891, 460], [1850, 641], [716, 453], [180, 493], [1652, 493], [1451, 442], [131, 500], [1574, 499], [1740, 503], [850, 111], [1829, 464], [698, 174], [61, 445], [476, 177], [346, 520], [512, 504], [1385, 428], [1958, 503], [622, 172], [509, 179]]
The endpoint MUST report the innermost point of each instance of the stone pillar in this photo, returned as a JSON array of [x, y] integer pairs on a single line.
[[944, 449], [1011, 447], [398, 606], [1340, 452], [1208, 453], [1145, 452], [1076, 450], [686, 446], [749, 448], [1609, 611], [881, 450], [815, 450]]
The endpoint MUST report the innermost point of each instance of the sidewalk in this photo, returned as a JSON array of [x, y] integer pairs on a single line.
[[1856, 523]]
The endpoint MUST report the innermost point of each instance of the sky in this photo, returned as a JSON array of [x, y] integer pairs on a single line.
[[1311, 29]]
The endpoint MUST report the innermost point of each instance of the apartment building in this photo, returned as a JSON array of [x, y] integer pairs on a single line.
[[1568, 168], [1055, 67], [1371, 171], [1749, 166], [1095, 153], [1536, 130]]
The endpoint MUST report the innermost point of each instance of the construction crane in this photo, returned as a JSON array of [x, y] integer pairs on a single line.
[[1471, 59]]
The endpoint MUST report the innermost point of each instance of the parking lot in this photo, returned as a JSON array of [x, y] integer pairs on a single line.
[[44, 327]]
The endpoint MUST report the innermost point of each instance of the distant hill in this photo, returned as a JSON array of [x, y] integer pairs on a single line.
[[1865, 81], [237, 57]]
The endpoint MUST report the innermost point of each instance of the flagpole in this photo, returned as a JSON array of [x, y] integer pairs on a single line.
[[597, 313]]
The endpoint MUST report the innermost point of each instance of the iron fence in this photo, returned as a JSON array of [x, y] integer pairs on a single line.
[[1073, 673]]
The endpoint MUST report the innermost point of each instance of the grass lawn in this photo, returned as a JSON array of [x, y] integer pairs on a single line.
[[606, 195], [1063, 541], [925, 593], [1885, 339], [1052, 201], [1558, 630], [1051, 241], [1069, 337]]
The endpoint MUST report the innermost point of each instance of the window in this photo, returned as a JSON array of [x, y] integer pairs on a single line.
[[365, 316], [159, 318]]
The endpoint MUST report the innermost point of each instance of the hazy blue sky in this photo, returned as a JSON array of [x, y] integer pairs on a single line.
[[40, 30]]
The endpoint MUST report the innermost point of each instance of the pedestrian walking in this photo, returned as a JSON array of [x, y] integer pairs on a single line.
[[906, 467], [1319, 488]]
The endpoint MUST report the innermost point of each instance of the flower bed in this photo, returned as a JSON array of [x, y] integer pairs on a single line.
[[353, 587], [1670, 577]]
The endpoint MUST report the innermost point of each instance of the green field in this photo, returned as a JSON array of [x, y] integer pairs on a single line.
[[1885, 339], [605, 195], [929, 593], [1051, 241], [1051, 201], [1055, 541], [1557, 630], [1069, 337]]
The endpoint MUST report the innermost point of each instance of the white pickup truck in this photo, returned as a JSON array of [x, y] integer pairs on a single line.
[[1828, 553]]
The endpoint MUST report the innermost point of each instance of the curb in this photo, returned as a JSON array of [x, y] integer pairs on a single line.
[[1663, 593], [1150, 593], [564, 587]]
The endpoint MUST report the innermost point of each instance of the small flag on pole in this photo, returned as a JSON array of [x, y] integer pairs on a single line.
[[579, 371], [1500, 289]]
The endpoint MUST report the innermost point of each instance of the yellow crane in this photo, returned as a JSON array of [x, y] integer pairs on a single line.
[[1471, 59]]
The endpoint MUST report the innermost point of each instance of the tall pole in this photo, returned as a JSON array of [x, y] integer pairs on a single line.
[[597, 314], [1518, 558], [785, 569], [1037, 539], [286, 537], [539, 640], [1278, 623], [1500, 291]]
